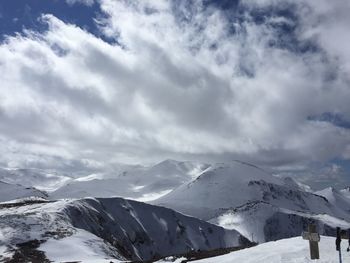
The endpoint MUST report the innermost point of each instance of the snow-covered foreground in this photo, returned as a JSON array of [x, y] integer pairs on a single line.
[[291, 250]]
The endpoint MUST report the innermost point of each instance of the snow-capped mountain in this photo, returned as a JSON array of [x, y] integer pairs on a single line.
[[136, 182], [113, 228], [247, 201], [15, 191], [233, 185], [245, 197]]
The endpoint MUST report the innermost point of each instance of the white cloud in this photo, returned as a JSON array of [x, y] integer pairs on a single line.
[[178, 84], [85, 2]]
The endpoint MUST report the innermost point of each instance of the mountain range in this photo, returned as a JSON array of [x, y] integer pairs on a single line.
[[190, 208]]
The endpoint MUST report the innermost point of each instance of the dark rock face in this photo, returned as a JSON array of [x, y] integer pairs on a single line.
[[272, 193], [145, 232], [28, 252], [282, 225]]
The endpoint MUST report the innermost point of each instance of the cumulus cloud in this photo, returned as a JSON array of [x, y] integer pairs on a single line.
[[181, 80]]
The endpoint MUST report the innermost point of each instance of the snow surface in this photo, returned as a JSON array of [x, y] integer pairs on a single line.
[[81, 246], [290, 250]]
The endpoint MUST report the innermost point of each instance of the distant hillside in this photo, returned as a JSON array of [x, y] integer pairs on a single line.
[[15, 191]]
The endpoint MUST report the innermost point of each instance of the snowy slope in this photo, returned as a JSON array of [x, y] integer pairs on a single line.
[[41, 179], [14, 191], [238, 192], [345, 192], [107, 228], [221, 186], [294, 250], [141, 183], [336, 197]]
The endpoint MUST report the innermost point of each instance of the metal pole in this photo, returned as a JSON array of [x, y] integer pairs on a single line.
[[348, 240], [337, 243]]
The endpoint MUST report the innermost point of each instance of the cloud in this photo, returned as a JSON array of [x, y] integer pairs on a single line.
[[181, 81], [85, 2]]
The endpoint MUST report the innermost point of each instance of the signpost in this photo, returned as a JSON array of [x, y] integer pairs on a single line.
[[313, 238]]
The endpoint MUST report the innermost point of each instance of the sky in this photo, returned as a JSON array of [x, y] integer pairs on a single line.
[[88, 83]]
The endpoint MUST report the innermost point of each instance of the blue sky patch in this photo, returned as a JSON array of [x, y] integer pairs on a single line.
[[336, 119], [18, 15]]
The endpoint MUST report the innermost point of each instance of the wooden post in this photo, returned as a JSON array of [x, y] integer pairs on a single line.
[[314, 252], [313, 238]]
